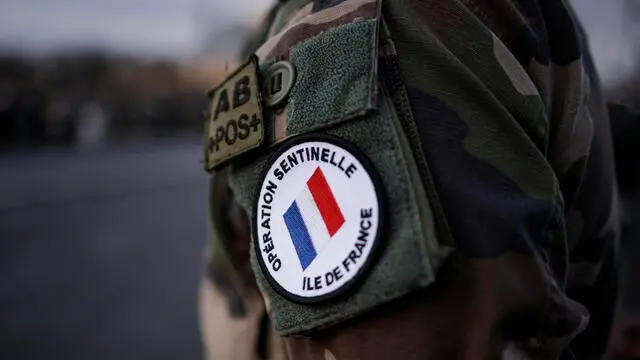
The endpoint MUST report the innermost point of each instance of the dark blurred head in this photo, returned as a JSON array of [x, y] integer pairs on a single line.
[[625, 126]]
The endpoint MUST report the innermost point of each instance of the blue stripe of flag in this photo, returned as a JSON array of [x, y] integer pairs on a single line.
[[300, 235]]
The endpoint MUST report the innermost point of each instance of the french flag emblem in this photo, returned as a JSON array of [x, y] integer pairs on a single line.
[[313, 218]]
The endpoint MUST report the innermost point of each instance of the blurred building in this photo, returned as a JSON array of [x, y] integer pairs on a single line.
[[95, 97]]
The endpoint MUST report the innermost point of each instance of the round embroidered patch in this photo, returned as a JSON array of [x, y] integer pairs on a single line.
[[318, 218]]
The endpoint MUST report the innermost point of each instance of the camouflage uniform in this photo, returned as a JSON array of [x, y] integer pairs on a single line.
[[501, 188]]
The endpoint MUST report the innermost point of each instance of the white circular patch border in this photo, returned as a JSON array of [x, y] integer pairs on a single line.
[[334, 263]]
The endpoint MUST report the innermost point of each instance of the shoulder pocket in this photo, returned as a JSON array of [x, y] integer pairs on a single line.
[[334, 53], [337, 92], [336, 76]]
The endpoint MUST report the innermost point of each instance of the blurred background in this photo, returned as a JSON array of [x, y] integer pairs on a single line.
[[102, 192]]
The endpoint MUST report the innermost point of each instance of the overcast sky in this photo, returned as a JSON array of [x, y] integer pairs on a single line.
[[176, 28], [614, 37]]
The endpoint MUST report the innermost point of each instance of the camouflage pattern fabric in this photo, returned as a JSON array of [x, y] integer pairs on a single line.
[[500, 105], [233, 318]]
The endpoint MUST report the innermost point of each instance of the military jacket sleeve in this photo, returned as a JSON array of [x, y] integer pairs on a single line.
[[433, 180], [232, 317]]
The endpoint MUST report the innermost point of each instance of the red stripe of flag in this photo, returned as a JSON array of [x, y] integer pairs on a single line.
[[326, 202]]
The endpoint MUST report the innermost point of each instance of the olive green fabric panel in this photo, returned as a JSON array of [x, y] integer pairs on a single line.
[[343, 60], [409, 253]]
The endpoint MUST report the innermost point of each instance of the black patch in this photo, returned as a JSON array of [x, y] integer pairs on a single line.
[[570, 181], [262, 347], [551, 34], [487, 212], [528, 45], [532, 40], [319, 5], [564, 43], [275, 85], [625, 129]]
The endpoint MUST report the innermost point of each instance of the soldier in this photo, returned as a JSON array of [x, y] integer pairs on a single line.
[[421, 179]]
